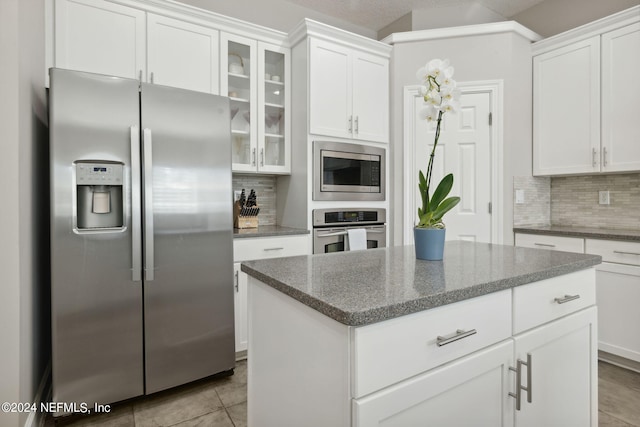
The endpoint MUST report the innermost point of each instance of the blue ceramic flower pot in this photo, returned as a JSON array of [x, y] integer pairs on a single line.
[[429, 243]]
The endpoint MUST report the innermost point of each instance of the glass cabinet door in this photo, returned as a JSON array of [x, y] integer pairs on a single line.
[[239, 72], [274, 106]]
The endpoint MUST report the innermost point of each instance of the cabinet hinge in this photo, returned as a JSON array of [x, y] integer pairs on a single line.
[[490, 119]]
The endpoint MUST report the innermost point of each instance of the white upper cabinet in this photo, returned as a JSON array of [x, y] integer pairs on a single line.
[[99, 37], [181, 54], [585, 99], [349, 92], [621, 99], [566, 105]]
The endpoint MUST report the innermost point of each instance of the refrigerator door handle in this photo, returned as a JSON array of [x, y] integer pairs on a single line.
[[148, 206], [136, 214]]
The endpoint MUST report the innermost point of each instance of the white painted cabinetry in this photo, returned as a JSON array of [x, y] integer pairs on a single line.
[[566, 105], [245, 249], [621, 99], [256, 77], [99, 37], [618, 293], [182, 54], [349, 92], [585, 103], [556, 243], [420, 370]]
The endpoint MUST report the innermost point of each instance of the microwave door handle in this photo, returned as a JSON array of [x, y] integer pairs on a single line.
[[335, 233]]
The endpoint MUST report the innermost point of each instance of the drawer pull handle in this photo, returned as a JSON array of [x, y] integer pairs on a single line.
[[457, 336], [519, 387], [273, 249], [566, 298], [545, 245], [626, 253]]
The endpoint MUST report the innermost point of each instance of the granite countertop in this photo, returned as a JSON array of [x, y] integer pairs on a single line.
[[363, 287], [267, 231], [593, 233]]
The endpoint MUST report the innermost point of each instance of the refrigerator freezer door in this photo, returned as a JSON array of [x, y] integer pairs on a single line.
[[189, 303], [97, 353]]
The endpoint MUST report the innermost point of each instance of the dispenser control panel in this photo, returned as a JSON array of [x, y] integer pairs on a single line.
[[99, 173]]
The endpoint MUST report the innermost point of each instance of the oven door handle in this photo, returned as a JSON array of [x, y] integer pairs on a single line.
[[334, 233], [370, 230]]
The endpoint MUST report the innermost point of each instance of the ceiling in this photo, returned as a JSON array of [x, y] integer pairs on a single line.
[[377, 14]]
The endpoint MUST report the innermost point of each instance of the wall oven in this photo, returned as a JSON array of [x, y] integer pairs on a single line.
[[344, 171], [330, 228]]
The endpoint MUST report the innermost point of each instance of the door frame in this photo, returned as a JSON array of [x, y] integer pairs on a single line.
[[495, 89]]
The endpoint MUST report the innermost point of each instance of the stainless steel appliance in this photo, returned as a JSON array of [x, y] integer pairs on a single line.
[[330, 228], [141, 237], [344, 171]]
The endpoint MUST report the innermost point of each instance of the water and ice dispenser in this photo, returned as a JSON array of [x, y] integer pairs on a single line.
[[99, 195]]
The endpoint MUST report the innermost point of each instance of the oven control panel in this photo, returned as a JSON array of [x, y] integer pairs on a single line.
[[327, 217]]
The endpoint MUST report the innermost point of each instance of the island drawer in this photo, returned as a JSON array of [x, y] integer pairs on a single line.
[[615, 251], [246, 249], [391, 351], [556, 243], [550, 299]]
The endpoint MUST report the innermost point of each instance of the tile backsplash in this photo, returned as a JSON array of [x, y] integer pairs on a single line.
[[573, 201], [265, 188]]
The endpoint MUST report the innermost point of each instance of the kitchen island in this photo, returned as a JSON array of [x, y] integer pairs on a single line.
[[377, 337]]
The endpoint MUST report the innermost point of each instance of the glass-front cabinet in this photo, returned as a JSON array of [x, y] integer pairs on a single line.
[[255, 76]]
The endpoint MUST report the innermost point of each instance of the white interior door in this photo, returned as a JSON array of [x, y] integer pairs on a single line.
[[464, 149]]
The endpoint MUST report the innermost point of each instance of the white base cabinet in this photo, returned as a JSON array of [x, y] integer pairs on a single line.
[[563, 371], [472, 391], [307, 369]]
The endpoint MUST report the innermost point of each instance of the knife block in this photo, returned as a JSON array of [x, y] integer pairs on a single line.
[[243, 221]]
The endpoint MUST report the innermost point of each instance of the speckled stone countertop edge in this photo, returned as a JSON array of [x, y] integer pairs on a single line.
[[379, 314], [268, 231], [603, 234]]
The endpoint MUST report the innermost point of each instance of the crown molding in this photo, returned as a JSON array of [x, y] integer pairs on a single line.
[[308, 27], [463, 31], [595, 28]]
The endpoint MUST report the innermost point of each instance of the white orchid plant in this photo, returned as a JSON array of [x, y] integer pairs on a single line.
[[441, 96]]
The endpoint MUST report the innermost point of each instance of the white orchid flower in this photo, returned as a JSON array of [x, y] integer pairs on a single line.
[[437, 67], [429, 113]]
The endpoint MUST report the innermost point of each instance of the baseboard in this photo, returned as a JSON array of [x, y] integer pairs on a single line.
[[37, 418], [619, 361], [241, 355]]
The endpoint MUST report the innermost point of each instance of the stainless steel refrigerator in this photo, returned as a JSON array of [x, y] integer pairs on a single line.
[[141, 237]]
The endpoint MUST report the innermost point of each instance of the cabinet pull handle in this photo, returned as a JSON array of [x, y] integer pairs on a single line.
[[357, 125], [262, 157], [594, 153], [626, 253], [272, 249], [237, 279], [604, 156], [519, 387], [566, 298], [253, 157], [140, 76], [545, 245], [350, 124], [152, 77], [440, 341]]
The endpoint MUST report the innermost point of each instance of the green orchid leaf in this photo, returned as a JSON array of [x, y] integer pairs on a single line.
[[445, 207], [441, 192]]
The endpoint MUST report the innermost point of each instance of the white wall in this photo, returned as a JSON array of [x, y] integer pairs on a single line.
[[486, 57], [276, 14], [24, 304]]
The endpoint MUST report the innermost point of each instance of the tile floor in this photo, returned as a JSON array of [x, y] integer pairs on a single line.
[[223, 403], [218, 402]]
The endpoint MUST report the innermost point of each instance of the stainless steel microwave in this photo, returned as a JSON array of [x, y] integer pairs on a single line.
[[343, 171]]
